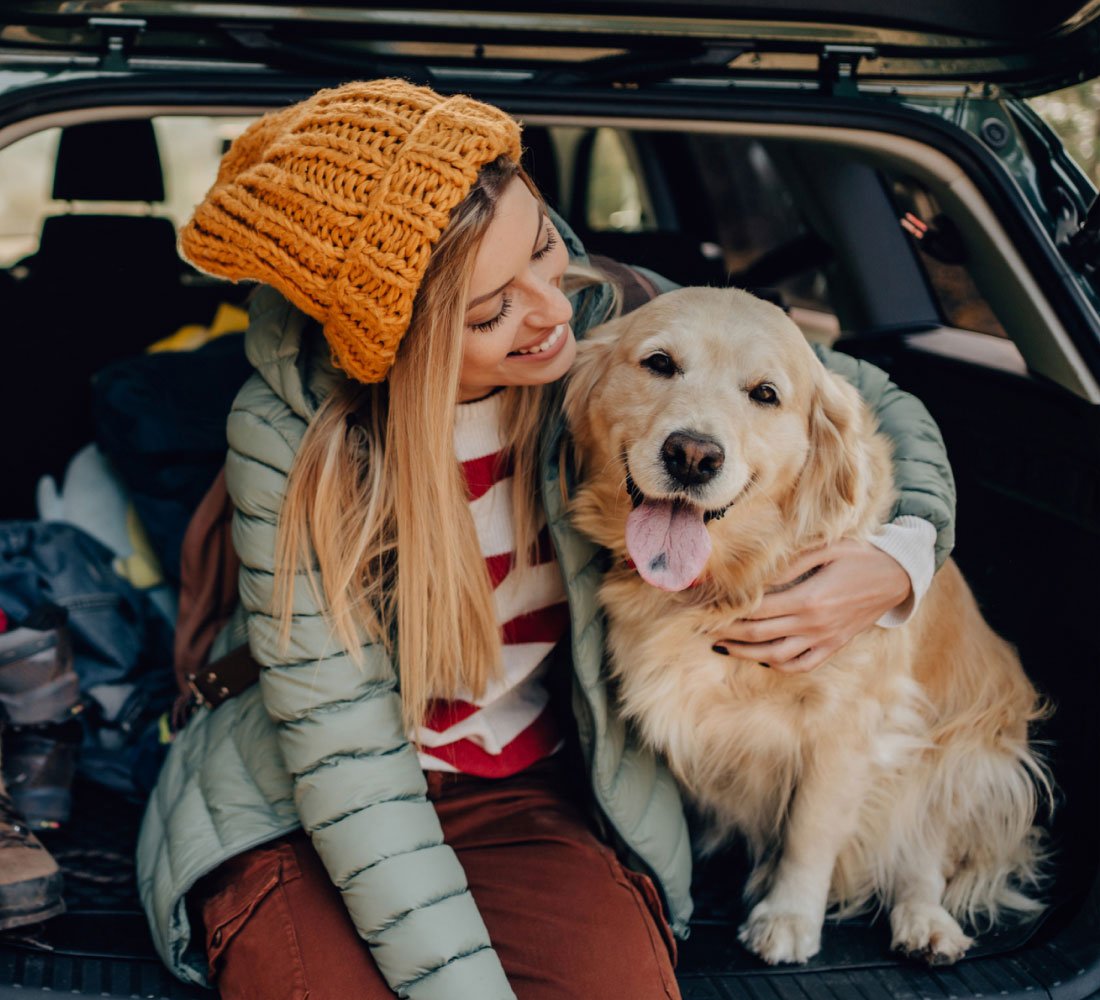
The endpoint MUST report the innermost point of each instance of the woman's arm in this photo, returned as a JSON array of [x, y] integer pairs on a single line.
[[922, 474], [358, 786]]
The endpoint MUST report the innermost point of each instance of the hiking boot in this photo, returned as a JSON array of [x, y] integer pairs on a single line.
[[39, 697], [37, 681], [30, 881], [38, 767]]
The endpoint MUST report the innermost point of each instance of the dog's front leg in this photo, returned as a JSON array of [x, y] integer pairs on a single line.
[[921, 927], [785, 926]]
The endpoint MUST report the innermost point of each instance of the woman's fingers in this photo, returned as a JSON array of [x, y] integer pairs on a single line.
[[811, 659], [791, 595], [792, 655], [769, 654], [802, 564], [796, 602], [799, 628], [760, 629]]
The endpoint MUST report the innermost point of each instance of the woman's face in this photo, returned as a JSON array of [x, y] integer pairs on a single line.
[[517, 318]]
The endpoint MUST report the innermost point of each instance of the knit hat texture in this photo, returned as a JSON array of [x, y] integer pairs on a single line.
[[338, 201]]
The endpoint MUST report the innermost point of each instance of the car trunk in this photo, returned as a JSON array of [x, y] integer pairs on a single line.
[[1021, 422]]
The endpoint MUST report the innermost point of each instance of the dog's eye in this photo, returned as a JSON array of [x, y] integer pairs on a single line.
[[764, 393], [660, 364]]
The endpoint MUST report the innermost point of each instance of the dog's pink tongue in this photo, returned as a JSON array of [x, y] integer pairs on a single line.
[[668, 542]]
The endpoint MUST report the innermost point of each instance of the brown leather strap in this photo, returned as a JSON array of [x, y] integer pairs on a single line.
[[637, 289], [224, 678]]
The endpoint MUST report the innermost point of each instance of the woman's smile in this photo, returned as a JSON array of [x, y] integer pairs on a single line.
[[546, 348]]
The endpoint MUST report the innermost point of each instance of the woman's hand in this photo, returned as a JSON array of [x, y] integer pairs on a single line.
[[797, 629]]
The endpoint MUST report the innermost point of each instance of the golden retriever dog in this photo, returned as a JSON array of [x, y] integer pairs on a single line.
[[712, 446]]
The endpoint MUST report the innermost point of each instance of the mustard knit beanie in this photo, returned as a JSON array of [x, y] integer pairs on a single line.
[[338, 201]]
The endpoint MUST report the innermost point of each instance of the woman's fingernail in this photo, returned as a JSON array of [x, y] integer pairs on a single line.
[[721, 650]]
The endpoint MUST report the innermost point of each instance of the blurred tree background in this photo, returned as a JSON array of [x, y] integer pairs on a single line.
[[1074, 113]]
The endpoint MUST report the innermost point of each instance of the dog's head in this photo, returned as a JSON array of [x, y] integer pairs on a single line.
[[702, 405]]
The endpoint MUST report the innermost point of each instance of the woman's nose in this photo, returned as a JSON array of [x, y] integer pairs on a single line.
[[552, 307]]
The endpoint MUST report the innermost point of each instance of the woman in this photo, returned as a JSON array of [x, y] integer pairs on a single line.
[[399, 435]]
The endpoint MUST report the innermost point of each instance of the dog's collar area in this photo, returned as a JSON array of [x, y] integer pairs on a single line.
[[699, 580]]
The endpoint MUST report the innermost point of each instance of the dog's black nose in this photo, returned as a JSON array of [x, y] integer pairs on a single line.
[[691, 459]]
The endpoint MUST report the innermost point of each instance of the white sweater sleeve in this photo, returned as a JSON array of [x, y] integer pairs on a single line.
[[912, 542]]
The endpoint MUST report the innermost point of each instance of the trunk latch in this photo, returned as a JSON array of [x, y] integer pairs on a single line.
[[119, 34], [837, 67]]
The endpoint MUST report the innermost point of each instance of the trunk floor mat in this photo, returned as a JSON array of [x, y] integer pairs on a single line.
[[101, 946]]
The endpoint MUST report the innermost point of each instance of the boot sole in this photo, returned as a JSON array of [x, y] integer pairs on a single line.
[[22, 919], [31, 902]]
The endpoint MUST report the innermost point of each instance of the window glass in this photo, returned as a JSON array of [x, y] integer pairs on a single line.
[[190, 148], [1074, 114], [617, 199], [942, 253], [765, 242], [26, 167]]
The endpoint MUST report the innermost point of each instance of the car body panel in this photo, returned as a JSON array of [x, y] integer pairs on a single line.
[[1026, 47]]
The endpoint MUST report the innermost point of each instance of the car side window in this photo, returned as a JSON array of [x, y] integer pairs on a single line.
[[942, 254], [762, 235], [617, 198], [27, 169], [190, 148]]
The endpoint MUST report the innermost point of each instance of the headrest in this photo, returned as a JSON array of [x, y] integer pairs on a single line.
[[109, 161], [86, 247]]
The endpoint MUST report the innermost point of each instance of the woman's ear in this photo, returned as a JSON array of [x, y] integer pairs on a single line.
[[834, 477]]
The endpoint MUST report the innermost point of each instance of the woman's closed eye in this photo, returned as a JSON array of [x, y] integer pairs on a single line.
[[548, 245], [491, 324]]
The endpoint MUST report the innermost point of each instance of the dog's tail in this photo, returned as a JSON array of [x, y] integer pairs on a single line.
[[997, 857]]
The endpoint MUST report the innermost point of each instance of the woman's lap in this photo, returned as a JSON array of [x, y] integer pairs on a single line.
[[564, 915]]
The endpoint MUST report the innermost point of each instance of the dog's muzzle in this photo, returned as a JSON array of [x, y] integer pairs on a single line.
[[637, 498]]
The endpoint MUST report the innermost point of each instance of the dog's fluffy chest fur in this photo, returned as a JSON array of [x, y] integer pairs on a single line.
[[738, 734]]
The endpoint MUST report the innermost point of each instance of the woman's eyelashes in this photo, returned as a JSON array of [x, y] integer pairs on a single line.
[[551, 242], [492, 324], [506, 303]]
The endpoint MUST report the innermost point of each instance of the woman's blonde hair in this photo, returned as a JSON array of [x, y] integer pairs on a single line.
[[378, 499]]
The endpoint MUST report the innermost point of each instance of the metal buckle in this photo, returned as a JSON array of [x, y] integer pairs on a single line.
[[196, 693]]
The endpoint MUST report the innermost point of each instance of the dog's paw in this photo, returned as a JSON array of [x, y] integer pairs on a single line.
[[780, 936], [927, 932]]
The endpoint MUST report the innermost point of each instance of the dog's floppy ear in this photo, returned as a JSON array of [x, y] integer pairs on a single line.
[[834, 477], [592, 356]]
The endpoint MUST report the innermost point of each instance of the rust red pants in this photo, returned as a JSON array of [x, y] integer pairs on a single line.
[[567, 919]]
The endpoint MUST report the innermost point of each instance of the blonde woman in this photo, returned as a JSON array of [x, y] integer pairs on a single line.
[[429, 794]]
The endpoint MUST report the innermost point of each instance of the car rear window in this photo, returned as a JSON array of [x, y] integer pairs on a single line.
[[942, 256], [190, 148]]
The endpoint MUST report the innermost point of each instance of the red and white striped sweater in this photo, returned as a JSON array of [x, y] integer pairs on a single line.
[[512, 725]]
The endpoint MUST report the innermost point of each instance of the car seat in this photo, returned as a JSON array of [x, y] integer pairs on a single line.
[[100, 287]]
